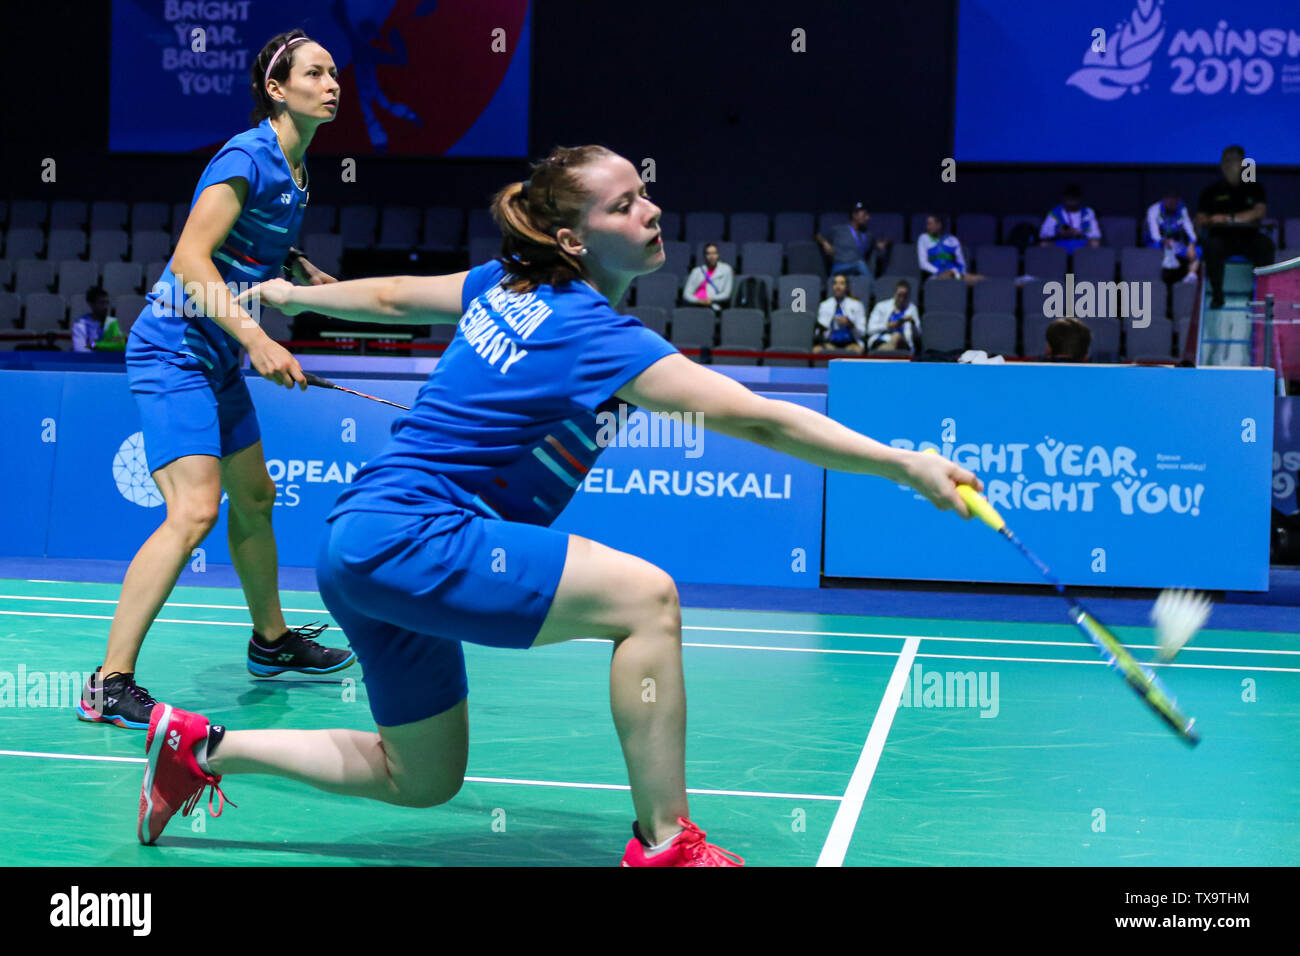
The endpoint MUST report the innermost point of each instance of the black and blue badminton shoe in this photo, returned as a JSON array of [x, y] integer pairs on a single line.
[[117, 699], [296, 651]]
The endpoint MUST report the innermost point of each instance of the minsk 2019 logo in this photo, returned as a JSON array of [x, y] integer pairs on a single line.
[[131, 472], [1221, 60]]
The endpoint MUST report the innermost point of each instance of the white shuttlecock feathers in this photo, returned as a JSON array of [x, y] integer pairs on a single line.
[[1178, 615]]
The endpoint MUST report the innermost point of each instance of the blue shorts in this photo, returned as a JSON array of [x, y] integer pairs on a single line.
[[408, 589], [188, 405]]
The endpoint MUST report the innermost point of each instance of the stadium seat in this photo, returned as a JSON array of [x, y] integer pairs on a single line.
[[794, 227], [659, 289], [947, 295], [149, 216], [886, 225], [742, 329], [28, 214], [120, 278], [976, 229], [804, 257], [33, 275], [10, 309], [319, 218], [799, 292], [24, 243], [792, 332], [108, 245], [1094, 265], [1118, 231], [1044, 262], [66, 244], [357, 226], [399, 227], [1105, 339], [692, 327], [44, 312], [943, 331], [704, 227], [677, 256], [746, 227], [105, 214], [76, 276], [997, 261], [1140, 265], [483, 248], [69, 214], [1034, 334], [443, 228], [994, 332], [762, 257], [1154, 341]]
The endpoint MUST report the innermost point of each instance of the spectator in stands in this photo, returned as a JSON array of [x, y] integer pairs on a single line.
[[1228, 213], [709, 284], [1071, 224], [841, 320], [939, 252], [895, 325], [852, 249], [1169, 227], [1068, 340], [88, 332]]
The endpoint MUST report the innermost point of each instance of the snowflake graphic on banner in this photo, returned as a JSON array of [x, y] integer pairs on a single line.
[[131, 472], [1127, 57]]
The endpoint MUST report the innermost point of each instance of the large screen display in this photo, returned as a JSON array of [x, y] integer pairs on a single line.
[[1127, 81], [418, 77]]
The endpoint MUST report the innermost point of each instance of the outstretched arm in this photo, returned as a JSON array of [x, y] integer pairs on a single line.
[[400, 300], [676, 384]]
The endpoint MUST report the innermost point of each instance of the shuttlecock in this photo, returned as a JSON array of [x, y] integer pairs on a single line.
[[1178, 615]]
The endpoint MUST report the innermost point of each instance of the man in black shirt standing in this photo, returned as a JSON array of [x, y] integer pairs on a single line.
[[1228, 215]]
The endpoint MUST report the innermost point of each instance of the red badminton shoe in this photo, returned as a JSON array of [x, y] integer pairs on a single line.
[[173, 779], [688, 848]]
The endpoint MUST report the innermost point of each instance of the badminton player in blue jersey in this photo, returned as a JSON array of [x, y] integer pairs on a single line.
[[443, 537], [183, 365]]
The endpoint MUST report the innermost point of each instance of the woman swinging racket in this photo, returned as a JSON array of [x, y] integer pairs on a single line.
[[495, 445]]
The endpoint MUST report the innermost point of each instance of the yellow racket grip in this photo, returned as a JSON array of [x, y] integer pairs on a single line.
[[977, 503]]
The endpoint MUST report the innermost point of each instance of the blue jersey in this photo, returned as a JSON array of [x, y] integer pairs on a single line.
[[518, 408], [253, 251]]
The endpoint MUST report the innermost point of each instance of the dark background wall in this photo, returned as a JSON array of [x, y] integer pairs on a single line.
[[711, 91]]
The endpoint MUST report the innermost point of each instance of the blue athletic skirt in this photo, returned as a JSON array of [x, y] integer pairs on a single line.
[[408, 589], [191, 402]]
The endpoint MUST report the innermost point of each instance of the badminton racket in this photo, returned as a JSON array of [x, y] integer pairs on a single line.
[[319, 382], [1141, 679]]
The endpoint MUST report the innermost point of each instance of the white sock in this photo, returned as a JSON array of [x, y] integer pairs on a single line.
[[660, 847]]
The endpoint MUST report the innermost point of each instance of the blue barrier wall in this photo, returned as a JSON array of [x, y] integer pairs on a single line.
[[729, 512], [75, 484], [1114, 476]]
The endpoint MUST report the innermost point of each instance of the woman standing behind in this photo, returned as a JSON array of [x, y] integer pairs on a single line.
[[183, 364]]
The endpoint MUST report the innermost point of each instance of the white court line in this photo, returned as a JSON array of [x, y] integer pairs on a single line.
[[846, 817], [218, 607], [506, 780], [765, 647], [32, 753], [974, 640], [701, 627]]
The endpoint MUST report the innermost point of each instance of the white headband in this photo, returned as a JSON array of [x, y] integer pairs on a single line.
[[283, 47]]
